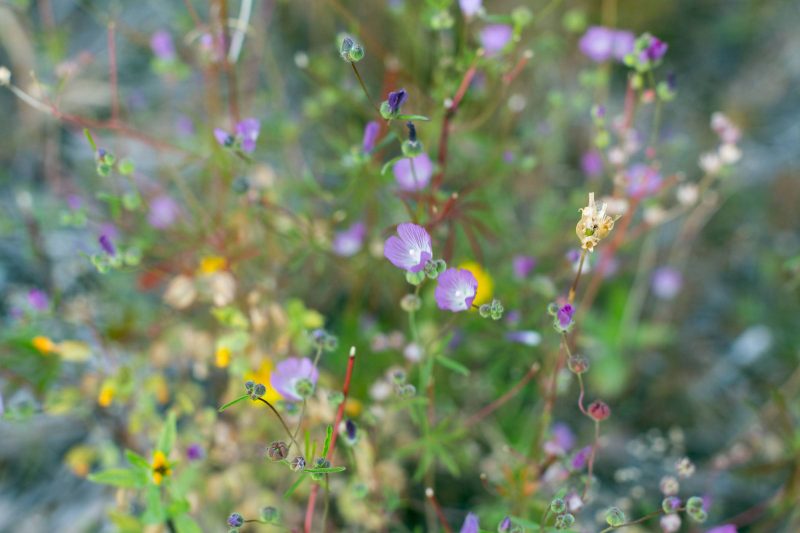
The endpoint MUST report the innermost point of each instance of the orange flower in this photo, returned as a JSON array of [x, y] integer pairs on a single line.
[[160, 467], [43, 345], [106, 396]]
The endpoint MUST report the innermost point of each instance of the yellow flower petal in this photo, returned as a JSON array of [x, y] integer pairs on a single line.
[[43, 345], [223, 357], [485, 282], [212, 263], [106, 396]]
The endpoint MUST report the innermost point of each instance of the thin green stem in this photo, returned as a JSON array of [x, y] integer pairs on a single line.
[[577, 279], [283, 422], [638, 520], [364, 87]]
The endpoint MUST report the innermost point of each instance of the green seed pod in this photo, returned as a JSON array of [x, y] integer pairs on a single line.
[[615, 517], [558, 506]]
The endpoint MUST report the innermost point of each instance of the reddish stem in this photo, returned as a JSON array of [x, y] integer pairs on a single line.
[[312, 498], [499, 402], [438, 508]]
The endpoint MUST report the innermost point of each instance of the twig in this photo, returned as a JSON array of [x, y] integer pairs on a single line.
[[438, 508], [112, 67], [499, 402], [312, 498], [283, 422]]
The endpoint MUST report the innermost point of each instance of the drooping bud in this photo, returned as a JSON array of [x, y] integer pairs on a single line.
[[299, 463], [278, 451], [578, 364], [599, 410]]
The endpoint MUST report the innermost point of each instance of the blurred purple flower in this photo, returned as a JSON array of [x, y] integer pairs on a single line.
[[195, 452], [580, 459], [349, 242], [564, 316], [573, 255], [727, 528], [456, 290], [162, 45], [38, 300], [495, 37], [666, 282], [184, 126], [74, 202], [601, 44], [643, 180], [656, 50], [371, 131], [417, 179], [289, 372], [592, 164], [411, 249], [246, 133], [107, 244], [471, 524], [396, 100], [522, 265], [526, 337], [470, 7], [562, 441], [163, 212]]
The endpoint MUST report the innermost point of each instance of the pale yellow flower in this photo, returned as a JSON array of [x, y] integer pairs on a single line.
[[594, 224]]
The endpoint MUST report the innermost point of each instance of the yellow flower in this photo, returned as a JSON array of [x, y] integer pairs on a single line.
[[43, 344], [353, 407], [222, 358], [106, 396], [212, 263], [485, 282], [160, 467], [262, 375]]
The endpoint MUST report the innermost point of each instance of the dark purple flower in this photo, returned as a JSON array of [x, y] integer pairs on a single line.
[[505, 525], [107, 244], [471, 524], [456, 289], [350, 241], [411, 249], [235, 520], [195, 452], [38, 300], [371, 131], [495, 37], [643, 180], [291, 372], [415, 179], [162, 46], [666, 282], [656, 50], [522, 265], [163, 212], [564, 316], [580, 459], [350, 430], [592, 164], [246, 134], [396, 99], [601, 44]]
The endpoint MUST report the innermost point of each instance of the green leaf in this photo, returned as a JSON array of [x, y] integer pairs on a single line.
[[328, 435], [120, 477], [90, 139], [178, 507], [167, 437], [326, 470], [390, 162], [412, 117], [232, 402], [137, 460], [294, 486], [154, 509], [455, 366], [185, 524]]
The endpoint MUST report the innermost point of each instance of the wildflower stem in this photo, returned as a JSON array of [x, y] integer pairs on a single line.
[[499, 402], [438, 508], [283, 422], [638, 520], [591, 459], [364, 87], [574, 286], [312, 498], [580, 397], [299, 423]]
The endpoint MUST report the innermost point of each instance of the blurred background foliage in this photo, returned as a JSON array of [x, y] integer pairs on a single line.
[[711, 374]]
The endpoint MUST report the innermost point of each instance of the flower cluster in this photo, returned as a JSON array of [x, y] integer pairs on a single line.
[[243, 138], [594, 224]]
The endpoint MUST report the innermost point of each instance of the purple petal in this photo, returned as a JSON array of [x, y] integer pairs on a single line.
[[581, 458], [411, 250], [247, 130], [597, 43], [371, 131], [107, 244], [163, 212], [470, 7], [38, 300], [288, 372], [643, 181], [666, 283], [592, 164], [350, 241], [162, 46], [727, 528], [396, 99], [471, 524], [416, 180], [456, 290], [624, 43], [495, 37], [522, 265], [222, 137]]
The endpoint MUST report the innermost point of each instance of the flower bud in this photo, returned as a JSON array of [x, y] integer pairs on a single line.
[[615, 517], [558, 506], [578, 364], [485, 310], [269, 514], [235, 520], [410, 303], [277, 451], [564, 521], [695, 503], [336, 398], [304, 388], [258, 390], [599, 410], [248, 386], [320, 463], [698, 516], [298, 463], [408, 390], [415, 278], [504, 526], [670, 504]]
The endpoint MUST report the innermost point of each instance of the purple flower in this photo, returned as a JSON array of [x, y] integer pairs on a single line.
[[471, 524], [38, 300], [411, 250], [470, 8], [563, 440], [396, 99], [656, 50], [601, 44], [350, 241], [246, 134], [291, 372], [495, 37], [522, 265], [643, 181], [456, 290], [526, 337], [107, 244], [592, 164], [162, 46], [74, 202], [727, 528], [163, 212], [371, 131], [580, 459], [195, 452], [666, 282], [184, 126], [564, 316], [415, 179]]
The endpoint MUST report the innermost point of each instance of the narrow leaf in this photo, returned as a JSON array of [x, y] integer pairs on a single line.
[[328, 435], [119, 477], [168, 432], [294, 486], [237, 400], [455, 366]]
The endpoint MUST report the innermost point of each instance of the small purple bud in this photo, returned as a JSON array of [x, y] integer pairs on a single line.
[[235, 520], [504, 526], [195, 452], [371, 132], [396, 100], [107, 244], [38, 300]]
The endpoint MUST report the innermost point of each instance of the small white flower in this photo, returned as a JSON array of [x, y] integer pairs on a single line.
[[687, 194], [5, 76], [670, 523], [710, 163], [729, 154]]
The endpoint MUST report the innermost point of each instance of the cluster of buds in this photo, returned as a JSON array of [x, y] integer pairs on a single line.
[[493, 310], [695, 508], [648, 51], [350, 50], [255, 390], [594, 224], [323, 340], [320, 463], [564, 519], [432, 269], [562, 316], [727, 153], [402, 388]]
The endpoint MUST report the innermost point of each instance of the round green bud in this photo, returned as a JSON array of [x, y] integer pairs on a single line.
[[615, 517], [356, 53], [698, 516], [564, 521], [485, 310], [558, 506], [411, 148], [304, 388], [269, 514], [695, 503], [521, 16], [410, 303], [415, 278], [386, 111]]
